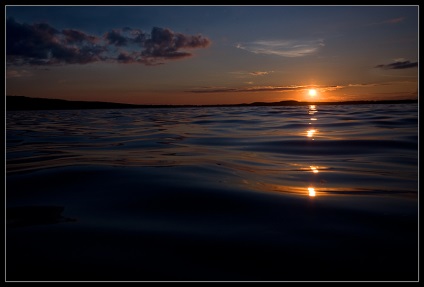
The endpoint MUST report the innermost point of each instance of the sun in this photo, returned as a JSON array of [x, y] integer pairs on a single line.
[[312, 92]]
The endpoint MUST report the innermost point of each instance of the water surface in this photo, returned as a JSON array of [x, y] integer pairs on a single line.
[[236, 193]]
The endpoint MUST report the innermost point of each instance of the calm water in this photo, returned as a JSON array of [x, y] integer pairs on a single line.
[[241, 193]]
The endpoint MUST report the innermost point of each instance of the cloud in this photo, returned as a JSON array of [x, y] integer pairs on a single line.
[[329, 88], [17, 73], [77, 37], [394, 20], [390, 21], [398, 65], [165, 44], [258, 73], [321, 89], [114, 37], [126, 58], [260, 89], [42, 44], [213, 90], [283, 48], [246, 74], [362, 85]]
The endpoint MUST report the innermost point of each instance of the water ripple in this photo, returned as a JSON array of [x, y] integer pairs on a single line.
[[350, 147]]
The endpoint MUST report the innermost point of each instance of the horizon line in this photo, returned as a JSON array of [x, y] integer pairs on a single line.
[[54, 103]]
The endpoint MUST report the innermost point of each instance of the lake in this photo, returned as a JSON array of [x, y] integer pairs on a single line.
[[289, 193]]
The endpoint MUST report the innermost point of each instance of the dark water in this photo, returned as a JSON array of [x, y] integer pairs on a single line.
[[318, 193]]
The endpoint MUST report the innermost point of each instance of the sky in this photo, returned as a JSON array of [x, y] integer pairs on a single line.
[[212, 54]]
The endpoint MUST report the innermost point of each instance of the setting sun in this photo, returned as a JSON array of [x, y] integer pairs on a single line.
[[312, 92]]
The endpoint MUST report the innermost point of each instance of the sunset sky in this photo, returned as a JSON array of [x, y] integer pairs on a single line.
[[212, 54]]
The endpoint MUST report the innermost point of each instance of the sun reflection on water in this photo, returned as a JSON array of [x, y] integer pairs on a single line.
[[310, 133], [312, 109], [314, 169]]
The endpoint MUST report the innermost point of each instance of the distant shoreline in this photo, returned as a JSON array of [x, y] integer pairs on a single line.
[[22, 103]]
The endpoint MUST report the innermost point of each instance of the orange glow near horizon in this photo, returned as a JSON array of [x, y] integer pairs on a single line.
[[20, 87]]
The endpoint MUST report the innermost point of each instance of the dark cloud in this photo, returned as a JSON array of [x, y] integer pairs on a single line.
[[161, 45], [164, 44], [398, 65], [125, 37], [42, 44], [74, 36], [124, 57], [114, 37], [32, 41], [137, 36]]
